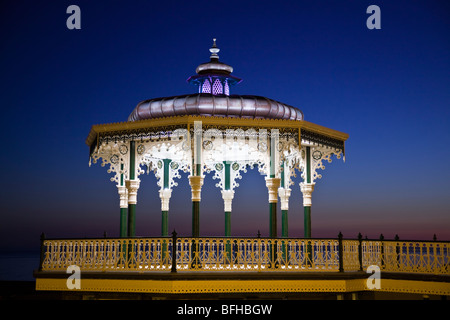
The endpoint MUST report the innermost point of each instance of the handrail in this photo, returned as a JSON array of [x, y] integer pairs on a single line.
[[244, 254], [247, 237]]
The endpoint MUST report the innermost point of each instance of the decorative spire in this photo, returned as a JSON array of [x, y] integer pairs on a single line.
[[214, 76], [214, 50]]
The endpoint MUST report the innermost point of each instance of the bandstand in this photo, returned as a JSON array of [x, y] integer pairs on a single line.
[[214, 132]]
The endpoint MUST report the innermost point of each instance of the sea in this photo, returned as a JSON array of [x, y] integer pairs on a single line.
[[18, 266]]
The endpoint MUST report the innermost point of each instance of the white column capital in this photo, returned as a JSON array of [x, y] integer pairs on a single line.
[[132, 187], [165, 195], [284, 194], [272, 185], [227, 196], [307, 189], [123, 194], [196, 183]]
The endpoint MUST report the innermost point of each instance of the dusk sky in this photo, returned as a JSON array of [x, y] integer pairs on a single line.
[[388, 88]]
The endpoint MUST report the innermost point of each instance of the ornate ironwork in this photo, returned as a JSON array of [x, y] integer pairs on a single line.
[[108, 254], [407, 256], [245, 254]]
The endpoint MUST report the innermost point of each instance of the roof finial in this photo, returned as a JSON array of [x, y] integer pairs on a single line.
[[214, 50]]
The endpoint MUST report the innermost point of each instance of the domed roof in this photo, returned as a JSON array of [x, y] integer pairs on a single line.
[[213, 79], [206, 104]]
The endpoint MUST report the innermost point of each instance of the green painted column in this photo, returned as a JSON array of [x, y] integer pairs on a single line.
[[284, 223], [123, 205], [196, 182], [227, 166], [308, 164], [132, 160], [164, 223], [307, 209], [131, 220], [123, 222], [273, 184], [195, 219], [166, 173], [196, 179], [284, 212], [273, 219], [227, 234], [227, 223], [165, 196], [307, 188], [132, 186], [284, 193], [164, 233], [227, 196], [307, 222]]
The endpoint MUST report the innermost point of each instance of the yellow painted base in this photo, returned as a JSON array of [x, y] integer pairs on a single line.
[[417, 287], [243, 286]]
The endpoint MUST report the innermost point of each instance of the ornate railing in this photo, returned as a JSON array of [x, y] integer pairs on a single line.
[[119, 254], [244, 254], [407, 256], [257, 254]]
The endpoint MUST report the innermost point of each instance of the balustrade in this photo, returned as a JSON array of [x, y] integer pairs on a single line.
[[244, 254]]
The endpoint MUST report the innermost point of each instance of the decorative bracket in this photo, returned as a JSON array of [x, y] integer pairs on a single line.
[[117, 156], [318, 154]]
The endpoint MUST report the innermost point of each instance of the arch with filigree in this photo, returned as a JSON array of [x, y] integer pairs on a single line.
[[152, 154]]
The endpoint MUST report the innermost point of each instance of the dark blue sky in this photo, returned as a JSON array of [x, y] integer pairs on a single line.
[[389, 89]]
